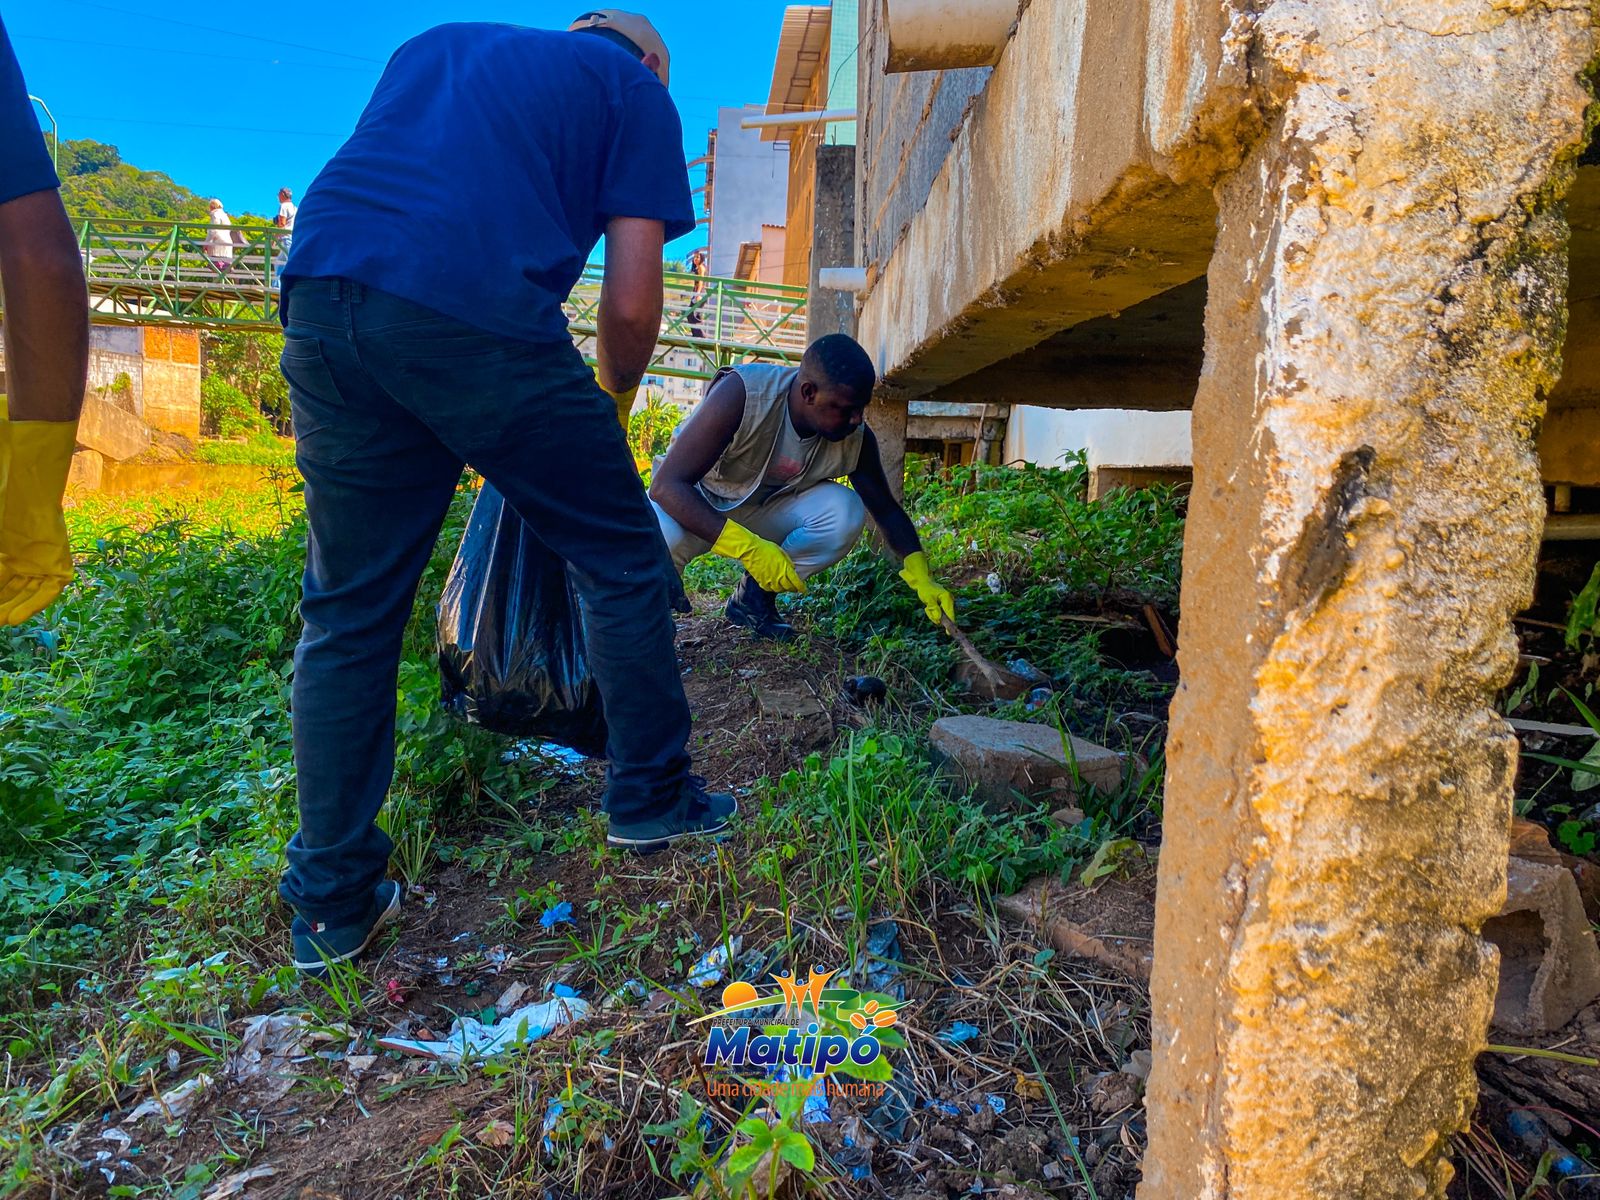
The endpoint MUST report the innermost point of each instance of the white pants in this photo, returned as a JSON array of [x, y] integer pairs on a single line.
[[816, 527]]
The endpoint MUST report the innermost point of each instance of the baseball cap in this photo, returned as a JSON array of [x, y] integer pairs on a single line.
[[632, 26]]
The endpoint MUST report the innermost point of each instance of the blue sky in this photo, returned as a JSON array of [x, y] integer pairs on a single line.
[[263, 104]]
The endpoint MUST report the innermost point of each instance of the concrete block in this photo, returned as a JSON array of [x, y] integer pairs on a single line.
[[1549, 962], [788, 706], [1001, 757], [118, 379], [172, 398], [110, 431], [1105, 480], [87, 469]]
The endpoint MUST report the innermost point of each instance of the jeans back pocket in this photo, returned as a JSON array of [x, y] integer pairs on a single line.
[[327, 427]]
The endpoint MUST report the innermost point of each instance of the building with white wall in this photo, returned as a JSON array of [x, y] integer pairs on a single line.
[[747, 186]]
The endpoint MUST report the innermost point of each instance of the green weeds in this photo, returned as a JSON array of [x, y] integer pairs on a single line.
[[1034, 565], [874, 824], [149, 786], [148, 777], [261, 449], [1583, 617]]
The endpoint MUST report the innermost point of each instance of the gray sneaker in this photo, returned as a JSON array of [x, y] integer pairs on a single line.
[[698, 813], [317, 947]]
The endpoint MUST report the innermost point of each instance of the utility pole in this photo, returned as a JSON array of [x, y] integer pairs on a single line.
[[55, 133]]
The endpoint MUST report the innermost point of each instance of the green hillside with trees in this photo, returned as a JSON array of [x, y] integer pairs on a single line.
[[95, 182]]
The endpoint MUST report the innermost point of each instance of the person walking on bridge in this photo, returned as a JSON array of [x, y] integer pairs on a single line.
[[699, 267], [287, 211], [424, 330], [221, 237]]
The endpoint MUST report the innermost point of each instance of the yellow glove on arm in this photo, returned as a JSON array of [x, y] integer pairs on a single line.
[[35, 561], [767, 563], [623, 400], [5, 453], [936, 600]]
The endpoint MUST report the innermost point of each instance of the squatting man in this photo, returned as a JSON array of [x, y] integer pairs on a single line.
[[750, 475]]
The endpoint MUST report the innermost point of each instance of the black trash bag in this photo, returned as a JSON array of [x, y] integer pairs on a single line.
[[511, 647]]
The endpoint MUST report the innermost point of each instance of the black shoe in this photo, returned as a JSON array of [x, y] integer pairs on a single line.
[[698, 813], [756, 609], [676, 596], [317, 947]]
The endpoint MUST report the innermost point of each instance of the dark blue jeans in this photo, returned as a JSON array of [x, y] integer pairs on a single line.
[[390, 400]]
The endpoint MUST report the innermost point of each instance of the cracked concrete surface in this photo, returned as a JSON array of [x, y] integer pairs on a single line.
[[1387, 305]]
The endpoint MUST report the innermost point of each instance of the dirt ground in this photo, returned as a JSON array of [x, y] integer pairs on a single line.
[[988, 1022], [1028, 1026]]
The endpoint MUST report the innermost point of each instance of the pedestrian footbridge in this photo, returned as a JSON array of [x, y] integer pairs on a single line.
[[159, 273]]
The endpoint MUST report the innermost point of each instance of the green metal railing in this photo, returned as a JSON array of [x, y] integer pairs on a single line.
[[721, 322], [177, 273]]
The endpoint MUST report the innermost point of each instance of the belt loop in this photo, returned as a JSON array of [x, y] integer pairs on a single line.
[[336, 290]]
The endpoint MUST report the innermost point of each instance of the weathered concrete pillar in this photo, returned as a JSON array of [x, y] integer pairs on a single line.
[[888, 415], [833, 241], [1386, 311]]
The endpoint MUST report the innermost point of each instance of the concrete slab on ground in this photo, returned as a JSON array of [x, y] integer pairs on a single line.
[[86, 471], [789, 706], [999, 758], [109, 431]]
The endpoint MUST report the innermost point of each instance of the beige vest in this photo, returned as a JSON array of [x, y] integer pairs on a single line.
[[735, 476]]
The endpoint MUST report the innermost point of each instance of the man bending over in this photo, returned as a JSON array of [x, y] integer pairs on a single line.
[[750, 476]]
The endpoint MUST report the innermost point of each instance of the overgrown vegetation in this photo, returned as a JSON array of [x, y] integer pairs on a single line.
[[147, 719], [149, 772], [260, 449], [650, 430], [1039, 573], [226, 412], [243, 391], [147, 762]]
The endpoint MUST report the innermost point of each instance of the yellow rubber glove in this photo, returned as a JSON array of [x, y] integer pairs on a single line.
[[937, 600], [35, 561], [767, 563], [5, 453], [623, 400]]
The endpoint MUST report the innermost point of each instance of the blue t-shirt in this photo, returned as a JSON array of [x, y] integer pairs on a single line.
[[485, 169], [24, 161]]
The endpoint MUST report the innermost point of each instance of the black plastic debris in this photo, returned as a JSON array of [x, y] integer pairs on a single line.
[[862, 690]]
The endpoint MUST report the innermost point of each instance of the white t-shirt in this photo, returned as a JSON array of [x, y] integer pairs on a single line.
[[286, 213], [219, 238]]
